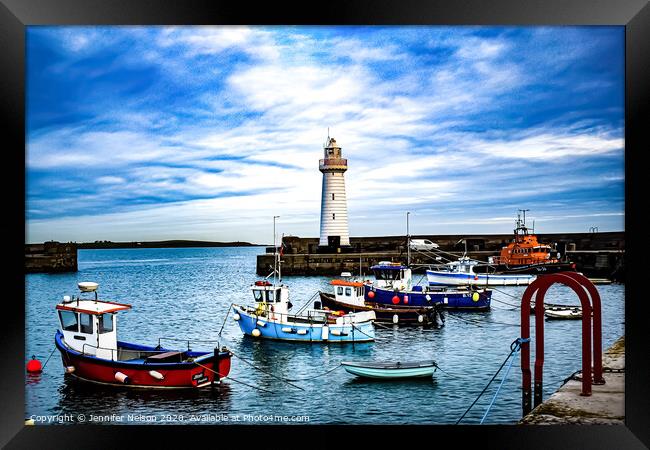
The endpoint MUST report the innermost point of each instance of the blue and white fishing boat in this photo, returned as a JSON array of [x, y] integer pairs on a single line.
[[390, 370], [270, 318], [463, 273], [394, 286]]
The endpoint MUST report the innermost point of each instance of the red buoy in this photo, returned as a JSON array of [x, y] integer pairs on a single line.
[[406, 299], [395, 300], [34, 365], [371, 294]]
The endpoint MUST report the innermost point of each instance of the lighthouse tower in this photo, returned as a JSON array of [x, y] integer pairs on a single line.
[[334, 210]]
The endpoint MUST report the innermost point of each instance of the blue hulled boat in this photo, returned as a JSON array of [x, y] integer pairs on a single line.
[[270, 318], [393, 286]]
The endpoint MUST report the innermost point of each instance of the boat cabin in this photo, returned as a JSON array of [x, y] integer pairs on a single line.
[[89, 325], [271, 299], [350, 292], [392, 275]]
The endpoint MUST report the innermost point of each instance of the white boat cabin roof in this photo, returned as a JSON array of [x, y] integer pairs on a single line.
[[95, 307]]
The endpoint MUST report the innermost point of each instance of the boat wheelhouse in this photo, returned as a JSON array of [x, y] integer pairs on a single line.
[[90, 350]]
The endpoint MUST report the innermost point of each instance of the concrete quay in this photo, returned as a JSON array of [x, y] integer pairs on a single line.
[[597, 255], [606, 405]]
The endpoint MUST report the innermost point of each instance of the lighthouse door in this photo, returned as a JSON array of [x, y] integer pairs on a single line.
[[334, 241]]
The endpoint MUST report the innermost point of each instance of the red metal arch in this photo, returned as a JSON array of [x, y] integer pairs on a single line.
[[581, 286]]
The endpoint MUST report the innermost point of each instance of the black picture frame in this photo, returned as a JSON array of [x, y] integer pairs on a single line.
[[15, 15]]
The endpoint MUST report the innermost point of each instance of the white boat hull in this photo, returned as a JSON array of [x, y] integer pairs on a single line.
[[444, 278]]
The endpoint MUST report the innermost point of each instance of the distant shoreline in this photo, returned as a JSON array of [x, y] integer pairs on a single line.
[[163, 244]]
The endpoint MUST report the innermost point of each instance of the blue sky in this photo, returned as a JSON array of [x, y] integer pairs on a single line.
[[151, 133]]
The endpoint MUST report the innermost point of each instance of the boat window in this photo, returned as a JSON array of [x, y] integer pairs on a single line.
[[339, 290], [271, 296], [86, 323], [69, 320], [387, 274], [258, 295], [106, 323], [348, 291]]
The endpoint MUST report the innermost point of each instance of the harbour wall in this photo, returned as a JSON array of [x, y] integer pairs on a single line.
[[51, 257], [606, 405], [595, 254]]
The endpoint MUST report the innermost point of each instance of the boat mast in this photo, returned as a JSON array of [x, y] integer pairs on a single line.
[[408, 241], [275, 252]]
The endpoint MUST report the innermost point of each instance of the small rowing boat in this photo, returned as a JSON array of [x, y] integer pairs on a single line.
[[390, 370], [560, 313]]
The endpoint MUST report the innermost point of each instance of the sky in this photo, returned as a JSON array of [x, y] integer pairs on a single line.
[[206, 133]]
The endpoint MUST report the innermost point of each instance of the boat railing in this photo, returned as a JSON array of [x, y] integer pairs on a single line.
[[97, 347]]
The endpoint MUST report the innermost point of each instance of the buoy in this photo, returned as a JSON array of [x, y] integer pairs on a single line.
[[34, 365], [406, 299], [371, 294], [302, 331], [261, 323], [157, 375], [69, 369], [122, 378], [256, 332], [420, 318], [395, 318], [236, 316], [395, 300], [428, 297], [475, 296]]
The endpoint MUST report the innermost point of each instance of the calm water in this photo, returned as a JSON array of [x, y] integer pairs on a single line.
[[186, 293]]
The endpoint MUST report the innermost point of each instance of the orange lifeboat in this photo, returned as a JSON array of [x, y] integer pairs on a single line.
[[526, 252]]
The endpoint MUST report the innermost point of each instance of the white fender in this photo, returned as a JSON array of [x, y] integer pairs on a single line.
[[119, 376], [157, 375], [256, 332], [236, 317], [69, 369], [420, 318], [261, 323], [302, 332], [325, 332], [286, 329], [395, 318]]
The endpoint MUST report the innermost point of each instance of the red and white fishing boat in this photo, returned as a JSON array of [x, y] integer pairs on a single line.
[[90, 350]]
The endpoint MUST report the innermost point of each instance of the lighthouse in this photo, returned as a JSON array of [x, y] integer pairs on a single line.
[[334, 210]]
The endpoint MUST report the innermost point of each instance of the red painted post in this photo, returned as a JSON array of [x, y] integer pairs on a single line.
[[539, 341], [526, 393], [541, 286], [596, 323]]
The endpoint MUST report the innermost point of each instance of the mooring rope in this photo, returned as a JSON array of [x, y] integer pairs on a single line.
[[48, 358], [316, 376], [234, 379], [266, 371], [517, 347], [224, 319], [514, 347]]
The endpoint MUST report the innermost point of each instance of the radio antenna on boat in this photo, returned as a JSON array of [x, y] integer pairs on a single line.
[[275, 252], [408, 241]]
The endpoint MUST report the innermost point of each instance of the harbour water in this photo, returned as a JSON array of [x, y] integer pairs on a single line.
[[185, 293]]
